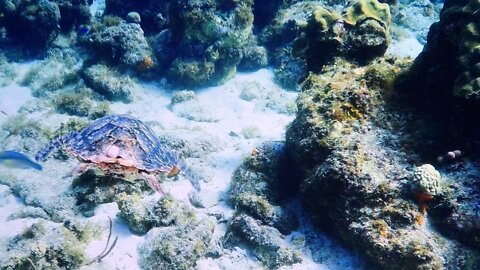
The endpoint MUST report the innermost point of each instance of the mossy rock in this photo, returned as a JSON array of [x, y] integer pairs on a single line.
[[191, 73], [368, 9], [44, 246], [267, 242], [95, 187], [176, 247], [142, 215]]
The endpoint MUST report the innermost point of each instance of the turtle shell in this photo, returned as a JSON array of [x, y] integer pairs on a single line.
[[135, 140]]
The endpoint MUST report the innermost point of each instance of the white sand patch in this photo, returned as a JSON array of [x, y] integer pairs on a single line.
[[13, 97], [409, 47], [9, 204], [124, 255]]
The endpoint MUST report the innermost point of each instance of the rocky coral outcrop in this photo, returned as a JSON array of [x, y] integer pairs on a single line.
[[176, 247], [142, 215], [30, 24], [361, 34], [109, 83], [45, 245], [123, 43], [80, 102], [442, 89], [448, 62], [211, 44], [95, 187], [357, 175], [267, 242], [278, 37], [73, 13], [59, 69], [259, 187], [305, 35], [154, 15]]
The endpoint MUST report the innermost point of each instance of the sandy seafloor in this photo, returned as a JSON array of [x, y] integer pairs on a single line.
[[232, 116]]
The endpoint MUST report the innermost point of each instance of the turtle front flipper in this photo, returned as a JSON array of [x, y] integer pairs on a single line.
[[152, 182], [56, 143]]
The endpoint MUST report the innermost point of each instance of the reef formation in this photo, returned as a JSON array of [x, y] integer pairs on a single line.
[[382, 153]]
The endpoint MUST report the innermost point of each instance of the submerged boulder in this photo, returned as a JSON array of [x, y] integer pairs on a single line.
[[210, 38], [442, 89], [154, 14], [361, 34], [45, 245], [267, 242], [123, 43], [109, 83], [31, 24], [176, 247], [350, 141], [142, 214]]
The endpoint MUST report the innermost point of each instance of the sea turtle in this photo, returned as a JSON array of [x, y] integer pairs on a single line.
[[120, 144]]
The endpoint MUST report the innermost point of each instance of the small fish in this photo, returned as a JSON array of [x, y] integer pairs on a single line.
[[3, 112], [83, 30], [18, 160]]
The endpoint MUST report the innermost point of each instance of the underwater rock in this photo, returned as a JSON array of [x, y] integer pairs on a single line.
[[350, 142], [278, 37], [94, 187], [30, 24], [182, 96], [142, 215], [154, 14], [362, 10], [196, 43], [361, 34], [73, 13], [210, 39], [254, 57], [367, 40], [289, 71], [264, 12], [23, 134], [190, 143], [73, 103], [176, 247], [269, 98], [109, 83], [287, 22], [29, 212], [44, 245], [123, 43], [267, 242], [447, 80], [441, 87], [60, 69], [260, 208], [457, 212], [80, 102], [262, 183]]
